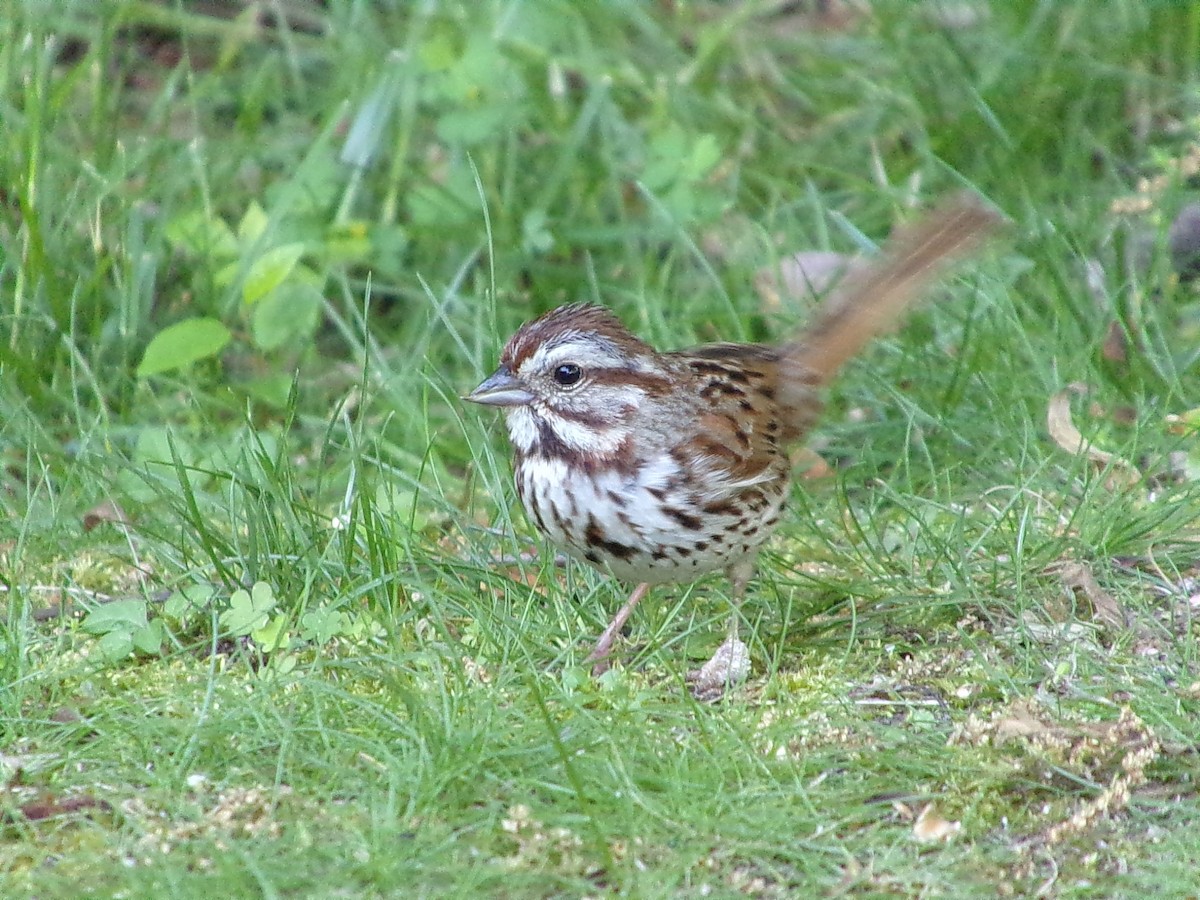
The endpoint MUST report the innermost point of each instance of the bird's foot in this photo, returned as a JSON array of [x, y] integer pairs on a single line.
[[727, 669]]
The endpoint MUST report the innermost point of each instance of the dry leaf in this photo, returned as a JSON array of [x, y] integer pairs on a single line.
[[1185, 423], [1077, 577], [817, 16], [105, 511], [810, 465], [931, 826], [48, 807], [1116, 346], [1183, 240], [802, 276], [1121, 473]]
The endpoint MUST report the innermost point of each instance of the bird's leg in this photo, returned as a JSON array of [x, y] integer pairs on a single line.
[[730, 664], [603, 648]]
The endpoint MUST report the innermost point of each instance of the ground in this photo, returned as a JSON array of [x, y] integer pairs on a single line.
[[273, 622]]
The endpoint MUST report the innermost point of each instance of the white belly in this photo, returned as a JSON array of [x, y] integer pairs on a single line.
[[652, 526]]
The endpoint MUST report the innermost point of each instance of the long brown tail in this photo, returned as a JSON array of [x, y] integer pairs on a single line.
[[869, 300]]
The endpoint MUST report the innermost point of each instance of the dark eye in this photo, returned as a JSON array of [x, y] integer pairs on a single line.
[[568, 374]]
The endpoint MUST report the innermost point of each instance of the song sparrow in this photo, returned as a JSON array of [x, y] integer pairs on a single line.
[[660, 467]]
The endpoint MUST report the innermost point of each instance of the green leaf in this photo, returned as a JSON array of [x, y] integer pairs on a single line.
[[188, 599], [227, 274], [348, 242], [291, 313], [322, 625], [198, 234], [274, 390], [472, 126], [446, 205], [536, 237], [182, 344], [389, 250], [248, 610], [115, 646], [149, 640], [282, 663], [253, 224], [706, 153], [439, 52], [270, 270], [120, 615], [273, 635]]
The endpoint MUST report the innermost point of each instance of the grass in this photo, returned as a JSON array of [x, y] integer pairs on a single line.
[[311, 662]]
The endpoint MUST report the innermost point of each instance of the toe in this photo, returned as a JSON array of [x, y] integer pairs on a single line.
[[728, 668]]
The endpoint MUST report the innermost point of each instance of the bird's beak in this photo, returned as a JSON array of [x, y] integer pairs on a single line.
[[501, 388]]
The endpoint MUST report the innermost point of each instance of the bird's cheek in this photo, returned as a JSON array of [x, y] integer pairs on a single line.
[[522, 422]]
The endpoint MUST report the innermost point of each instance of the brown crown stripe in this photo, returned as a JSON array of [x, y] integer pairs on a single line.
[[566, 322]]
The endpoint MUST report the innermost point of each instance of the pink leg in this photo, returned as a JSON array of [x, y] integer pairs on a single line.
[[730, 665], [603, 648]]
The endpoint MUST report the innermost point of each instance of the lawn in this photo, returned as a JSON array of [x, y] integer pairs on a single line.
[[272, 621]]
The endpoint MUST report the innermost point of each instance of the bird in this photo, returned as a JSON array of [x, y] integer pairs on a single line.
[[660, 467]]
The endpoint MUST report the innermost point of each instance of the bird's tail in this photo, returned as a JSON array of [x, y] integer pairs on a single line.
[[870, 299]]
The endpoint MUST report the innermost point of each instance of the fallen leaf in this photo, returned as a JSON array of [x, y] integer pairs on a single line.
[[1059, 632], [1121, 473], [48, 807], [810, 465], [1077, 577], [1116, 345], [958, 16], [1185, 423], [932, 826], [105, 511], [1183, 241], [819, 16], [802, 276]]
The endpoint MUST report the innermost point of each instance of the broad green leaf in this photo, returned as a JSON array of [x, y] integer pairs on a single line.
[[248, 610], [182, 344], [274, 390], [154, 447], [438, 52], [273, 635], [270, 270], [470, 126], [115, 646], [201, 235], [253, 224], [227, 274], [282, 663], [119, 615], [706, 153], [322, 625], [149, 640], [535, 235], [291, 313], [188, 599], [348, 242]]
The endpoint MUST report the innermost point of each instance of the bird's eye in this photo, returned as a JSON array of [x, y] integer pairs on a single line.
[[568, 374]]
